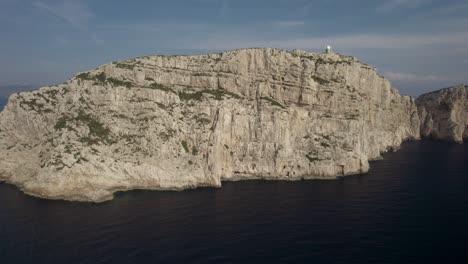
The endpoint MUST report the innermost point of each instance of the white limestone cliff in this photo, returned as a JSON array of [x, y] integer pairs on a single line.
[[178, 122], [444, 114]]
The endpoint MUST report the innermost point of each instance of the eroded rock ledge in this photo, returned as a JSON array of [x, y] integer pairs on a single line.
[[177, 122]]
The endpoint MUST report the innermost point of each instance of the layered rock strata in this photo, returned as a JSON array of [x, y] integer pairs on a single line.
[[177, 122], [444, 114]]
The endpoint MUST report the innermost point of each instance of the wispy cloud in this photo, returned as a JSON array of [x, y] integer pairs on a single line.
[[289, 23], [156, 27], [355, 41], [452, 8], [390, 5], [224, 10], [74, 13], [411, 77]]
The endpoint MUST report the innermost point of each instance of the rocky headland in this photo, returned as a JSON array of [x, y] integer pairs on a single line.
[[178, 122], [444, 114]]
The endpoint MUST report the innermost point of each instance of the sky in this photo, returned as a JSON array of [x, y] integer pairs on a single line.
[[420, 45]]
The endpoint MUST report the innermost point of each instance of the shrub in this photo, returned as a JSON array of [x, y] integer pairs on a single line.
[[194, 151], [185, 146], [320, 80], [273, 102], [124, 65], [116, 82], [218, 94], [312, 159], [61, 123], [97, 131], [161, 87]]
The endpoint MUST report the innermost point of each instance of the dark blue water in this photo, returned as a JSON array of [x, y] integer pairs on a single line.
[[411, 208], [3, 102]]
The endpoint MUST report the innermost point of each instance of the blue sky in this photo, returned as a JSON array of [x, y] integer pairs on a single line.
[[420, 45]]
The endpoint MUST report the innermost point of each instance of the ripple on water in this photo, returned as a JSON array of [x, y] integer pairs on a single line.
[[411, 207]]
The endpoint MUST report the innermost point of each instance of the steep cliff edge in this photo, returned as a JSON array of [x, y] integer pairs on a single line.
[[176, 122], [444, 114]]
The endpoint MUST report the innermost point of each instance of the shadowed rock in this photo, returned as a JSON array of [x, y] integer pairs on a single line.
[[444, 114]]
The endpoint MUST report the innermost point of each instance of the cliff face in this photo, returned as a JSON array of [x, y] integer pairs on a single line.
[[176, 122], [444, 114]]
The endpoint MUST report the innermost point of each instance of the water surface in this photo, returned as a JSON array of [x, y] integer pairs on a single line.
[[411, 208]]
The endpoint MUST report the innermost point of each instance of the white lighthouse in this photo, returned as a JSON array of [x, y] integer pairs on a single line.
[[328, 50]]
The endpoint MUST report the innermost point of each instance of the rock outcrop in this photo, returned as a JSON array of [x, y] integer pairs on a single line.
[[177, 122], [444, 114]]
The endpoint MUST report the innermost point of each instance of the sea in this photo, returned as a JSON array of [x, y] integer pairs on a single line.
[[412, 207]]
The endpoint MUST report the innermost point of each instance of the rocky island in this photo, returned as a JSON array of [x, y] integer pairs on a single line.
[[178, 122]]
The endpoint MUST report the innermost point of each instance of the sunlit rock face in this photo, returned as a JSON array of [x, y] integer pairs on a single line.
[[177, 122], [444, 114]]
